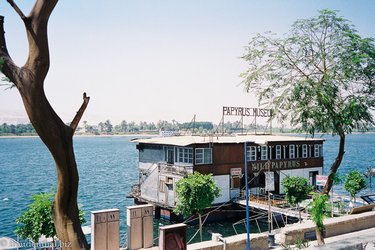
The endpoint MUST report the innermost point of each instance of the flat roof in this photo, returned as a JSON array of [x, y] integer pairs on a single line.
[[185, 140]]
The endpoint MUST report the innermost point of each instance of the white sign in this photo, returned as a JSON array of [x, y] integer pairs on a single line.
[[321, 180], [235, 171], [270, 181]]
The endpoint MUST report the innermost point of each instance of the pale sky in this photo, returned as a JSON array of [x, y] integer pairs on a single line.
[[150, 60]]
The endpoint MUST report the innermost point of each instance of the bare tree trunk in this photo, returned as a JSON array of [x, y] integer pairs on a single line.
[[320, 237], [57, 136], [200, 226], [299, 213], [335, 165]]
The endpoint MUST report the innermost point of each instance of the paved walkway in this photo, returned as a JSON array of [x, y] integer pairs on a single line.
[[364, 239]]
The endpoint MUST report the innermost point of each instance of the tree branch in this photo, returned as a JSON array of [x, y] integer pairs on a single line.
[[36, 23], [17, 9], [77, 118], [7, 66], [3, 45]]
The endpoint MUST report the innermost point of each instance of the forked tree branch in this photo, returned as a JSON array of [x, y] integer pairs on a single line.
[[77, 118], [17, 9]]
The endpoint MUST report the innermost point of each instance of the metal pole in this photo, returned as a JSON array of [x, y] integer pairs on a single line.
[[247, 199], [370, 184], [269, 213], [242, 124], [270, 220]]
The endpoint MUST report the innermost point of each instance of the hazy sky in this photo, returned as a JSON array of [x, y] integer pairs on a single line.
[[150, 60]]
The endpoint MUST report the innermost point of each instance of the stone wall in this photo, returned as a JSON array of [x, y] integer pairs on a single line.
[[236, 242], [333, 227]]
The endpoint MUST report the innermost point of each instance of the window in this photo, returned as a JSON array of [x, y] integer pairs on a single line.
[[264, 153], [251, 153], [304, 151], [317, 150], [169, 184], [169, 154], [203, 155], [185, 155], [291, 152], [278, 152]]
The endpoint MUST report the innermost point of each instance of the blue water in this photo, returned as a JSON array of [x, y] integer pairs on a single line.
[[108, 168], [359, 155]]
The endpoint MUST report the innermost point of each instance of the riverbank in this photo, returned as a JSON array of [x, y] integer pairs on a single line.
[[156, 134], [79, 135]]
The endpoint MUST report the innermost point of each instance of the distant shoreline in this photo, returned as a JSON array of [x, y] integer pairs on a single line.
[[148, 134], [78, 135]]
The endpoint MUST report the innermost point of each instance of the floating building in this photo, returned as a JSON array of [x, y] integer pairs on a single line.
[[165, 160]]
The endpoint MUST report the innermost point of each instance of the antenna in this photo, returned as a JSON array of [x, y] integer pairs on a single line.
[[193, 123]]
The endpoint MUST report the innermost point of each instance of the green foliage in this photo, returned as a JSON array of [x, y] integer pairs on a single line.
[[320, 76], [318, 209], [2, 61], [354, 182], [286, 246], [19, 129], [37, 220], [296, 189], [301, 244], [337, 179], [195, 193], [8, 83], [105, 127], [208, 126]]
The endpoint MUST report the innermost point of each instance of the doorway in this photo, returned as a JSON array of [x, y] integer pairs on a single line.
[[312, 178]]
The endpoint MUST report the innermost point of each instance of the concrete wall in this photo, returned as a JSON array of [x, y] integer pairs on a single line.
[[150, 185], [223, 182], [237, 242], [334, 226]]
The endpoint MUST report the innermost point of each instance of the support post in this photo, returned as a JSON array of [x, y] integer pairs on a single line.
[[247, 199]]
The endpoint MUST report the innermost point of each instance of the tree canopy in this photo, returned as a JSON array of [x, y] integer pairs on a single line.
[[296, 189], [195, 193], [319, 77], [354, 182]]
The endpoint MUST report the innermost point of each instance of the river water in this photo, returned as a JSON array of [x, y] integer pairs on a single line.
[[108, 168]]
